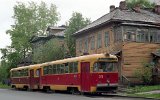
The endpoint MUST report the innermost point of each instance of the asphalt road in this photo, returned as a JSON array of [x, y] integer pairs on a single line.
[[6, 94]]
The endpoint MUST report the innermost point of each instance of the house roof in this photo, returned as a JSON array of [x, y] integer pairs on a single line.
[[157, 53], [39, 38], [46, 38], [61, 34], [144, 16], [56, 27]]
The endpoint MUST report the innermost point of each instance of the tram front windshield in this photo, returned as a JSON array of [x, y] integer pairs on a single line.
[[105, 67]]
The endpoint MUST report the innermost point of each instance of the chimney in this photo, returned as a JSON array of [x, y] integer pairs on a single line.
[[137, 8], [123, 5], [157, 9], [112, 8]]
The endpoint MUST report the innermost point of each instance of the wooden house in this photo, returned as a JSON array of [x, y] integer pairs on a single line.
[[52, 34], [132, 35]]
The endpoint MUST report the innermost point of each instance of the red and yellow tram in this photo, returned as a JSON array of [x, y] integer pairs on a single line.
[[89, 73]]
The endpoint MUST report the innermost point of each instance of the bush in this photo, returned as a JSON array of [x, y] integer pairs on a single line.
[[144, 74]]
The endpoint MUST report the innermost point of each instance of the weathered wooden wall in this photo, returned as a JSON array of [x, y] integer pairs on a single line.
[[113, 46], [135, 55]]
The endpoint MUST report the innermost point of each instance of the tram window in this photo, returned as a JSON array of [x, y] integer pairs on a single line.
[[96, 67], [16, 73], [45, 70], [12, 74], [62, 68], [70, 67], [54, 69], [66, 68], [49, 69], [75, 67], [58, 69], [37, 72], [104, 67], [26, 72], [19, 73]]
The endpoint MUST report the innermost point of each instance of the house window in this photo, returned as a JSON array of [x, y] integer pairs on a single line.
[[117, 34], [99, 41], [107, 39], [142, 36], [80, 45], [92, 43], [86, 45], [154, 37], [158, 37], [130, 36]]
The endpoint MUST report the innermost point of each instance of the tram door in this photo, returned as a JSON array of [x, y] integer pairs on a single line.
[[85, 76], [32, 79], [38, 79]]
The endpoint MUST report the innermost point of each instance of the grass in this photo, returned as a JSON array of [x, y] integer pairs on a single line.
[[156, 96], [133, 91], [139, 89], [4, 86]]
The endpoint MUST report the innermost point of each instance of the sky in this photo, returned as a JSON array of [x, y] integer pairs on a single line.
[[92, 9]]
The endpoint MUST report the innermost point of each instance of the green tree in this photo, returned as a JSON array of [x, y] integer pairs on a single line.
[[51, 50], [142, 3], [30, 19], [75, 23], [9, 60]]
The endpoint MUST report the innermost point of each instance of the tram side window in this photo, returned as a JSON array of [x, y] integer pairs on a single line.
[[38, 72], [96, 67], [54, 69], [75, 67], [58, 69], [20, 73], [61, 68], [71, 67], [23, 73], [45, 70], [49, 69], [66, 68], [26, 72], [14, 73]]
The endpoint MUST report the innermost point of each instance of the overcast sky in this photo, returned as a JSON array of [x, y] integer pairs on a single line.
[[92, 9]]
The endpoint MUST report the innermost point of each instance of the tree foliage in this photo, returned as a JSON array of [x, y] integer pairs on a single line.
[[30, 19], [75, 23], [51, 50], [10, 58], [142, 3]]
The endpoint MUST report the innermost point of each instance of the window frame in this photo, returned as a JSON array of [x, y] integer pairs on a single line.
[[107, 39], [92, 42], [99, 40]]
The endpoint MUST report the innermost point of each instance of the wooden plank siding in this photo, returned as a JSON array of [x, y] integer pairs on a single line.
[[135, 55], [112, 47]]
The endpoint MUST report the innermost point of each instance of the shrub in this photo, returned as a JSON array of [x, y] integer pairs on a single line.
[[144, 73]]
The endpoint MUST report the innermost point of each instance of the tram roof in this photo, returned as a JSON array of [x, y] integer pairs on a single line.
[[74, 59], [27, 67], [83, 58]]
